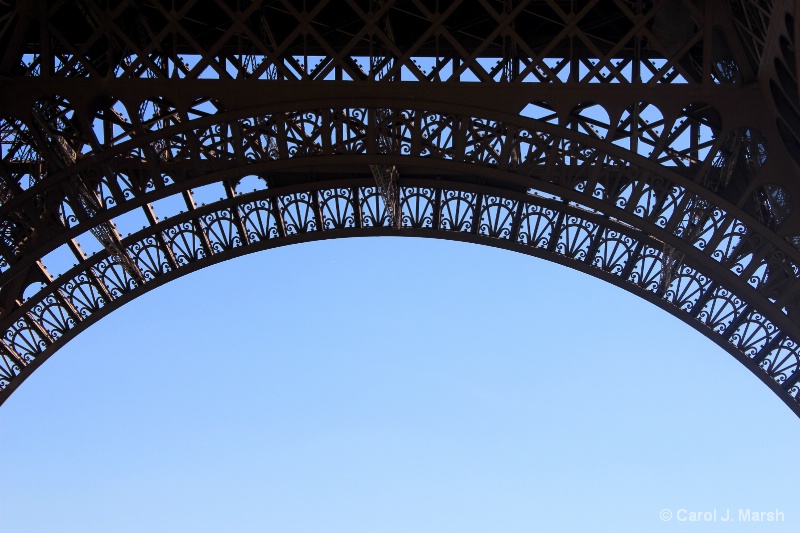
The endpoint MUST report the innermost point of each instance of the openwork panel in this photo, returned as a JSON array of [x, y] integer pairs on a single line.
[[186, 242], [150, 257], [458, 211], [781, 363], [258, 138], [576, 237], [373, 208], [687, 287], [259, 220], [349, 130], [614, 251], [647, 270], [337, 207], [419, 207], [10, 367], [26, 341], [499, 217], [298, 212], [223, 230], [537, 224], [721, 310], [753, 334], [84, 293], [485, 141], [438, 135]]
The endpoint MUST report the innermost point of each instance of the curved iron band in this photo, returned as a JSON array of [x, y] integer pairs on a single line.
[[776, 291], [560, 231], [99, 163], [753, 252]]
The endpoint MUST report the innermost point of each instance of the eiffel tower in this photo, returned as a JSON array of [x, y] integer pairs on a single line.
[[652, 144]]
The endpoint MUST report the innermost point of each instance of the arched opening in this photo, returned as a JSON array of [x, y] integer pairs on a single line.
[[390, 384], [138, 104]]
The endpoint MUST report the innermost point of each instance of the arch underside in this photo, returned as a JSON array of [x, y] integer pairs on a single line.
[[516, 184], [140, 142]]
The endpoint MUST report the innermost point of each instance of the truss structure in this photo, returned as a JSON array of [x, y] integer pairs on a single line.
[[654, 144]]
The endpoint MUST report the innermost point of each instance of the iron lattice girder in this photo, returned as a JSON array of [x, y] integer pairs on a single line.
[[461, 28], [622, 129]]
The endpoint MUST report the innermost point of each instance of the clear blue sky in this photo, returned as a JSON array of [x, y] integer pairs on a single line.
[[388, 385]]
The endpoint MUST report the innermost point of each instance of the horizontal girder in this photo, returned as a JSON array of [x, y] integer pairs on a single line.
[[127, 36]]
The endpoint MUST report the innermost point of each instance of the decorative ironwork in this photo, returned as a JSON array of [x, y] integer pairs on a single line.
[[651, 144]]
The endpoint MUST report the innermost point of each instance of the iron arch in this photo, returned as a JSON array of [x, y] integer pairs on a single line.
[[466, 174], [144, 141]]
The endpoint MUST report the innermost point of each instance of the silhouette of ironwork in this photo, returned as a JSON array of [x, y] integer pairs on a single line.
[[652, 144]]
